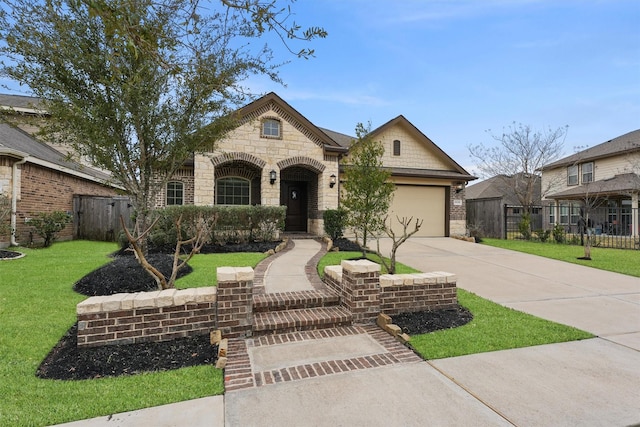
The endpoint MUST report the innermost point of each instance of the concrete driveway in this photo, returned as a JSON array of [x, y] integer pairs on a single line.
[[603, 303]]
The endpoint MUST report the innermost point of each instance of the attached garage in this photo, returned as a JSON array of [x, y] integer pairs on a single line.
[[420, 201]]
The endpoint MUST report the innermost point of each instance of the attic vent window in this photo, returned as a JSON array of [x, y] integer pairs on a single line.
[[270, 128], [396, 148]]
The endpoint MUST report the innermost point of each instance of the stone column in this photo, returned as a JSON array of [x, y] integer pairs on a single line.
[[235, 302], [361, 289], [203, 181]]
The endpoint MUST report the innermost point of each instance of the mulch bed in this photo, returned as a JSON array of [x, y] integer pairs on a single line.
[[124, 274], [6, 255], [422, 322]]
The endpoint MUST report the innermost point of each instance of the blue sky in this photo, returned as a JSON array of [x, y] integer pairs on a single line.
[[458, 68]]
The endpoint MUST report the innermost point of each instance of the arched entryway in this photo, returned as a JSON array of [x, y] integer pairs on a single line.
[[299, 193]]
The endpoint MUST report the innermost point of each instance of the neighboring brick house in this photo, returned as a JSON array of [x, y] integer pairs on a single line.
[[276, 156], [39, 178], [607, 176]]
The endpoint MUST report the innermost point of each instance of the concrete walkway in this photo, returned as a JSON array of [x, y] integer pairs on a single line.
[[287, 272], [588, 383]]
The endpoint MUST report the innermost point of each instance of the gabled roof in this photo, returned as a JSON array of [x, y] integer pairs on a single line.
[[456, 172], [421, 137], [17, 143], [315, 133], [623, 183], [627, 143], [499, 187]]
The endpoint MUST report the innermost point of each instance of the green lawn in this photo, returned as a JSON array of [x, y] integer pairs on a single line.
[[625, 261], [37, 306], [493, 327], [335, 258]]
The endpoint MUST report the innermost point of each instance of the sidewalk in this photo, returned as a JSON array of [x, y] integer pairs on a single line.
[[588, 383]]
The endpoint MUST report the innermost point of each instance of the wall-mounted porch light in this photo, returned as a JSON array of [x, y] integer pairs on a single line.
[[332, 180], [459, 187], [272, 176]]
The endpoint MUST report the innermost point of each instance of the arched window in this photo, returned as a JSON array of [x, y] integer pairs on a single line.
[[396, 147], [233, 191], [271, 128], [175, 193]]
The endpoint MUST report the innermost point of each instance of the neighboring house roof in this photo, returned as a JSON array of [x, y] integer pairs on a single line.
[[18, 143], [623, 183], [499, 187], [249, 110], [20, 103], [629, 142]]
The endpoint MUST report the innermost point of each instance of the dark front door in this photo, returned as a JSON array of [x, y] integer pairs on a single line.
[[294, 196]]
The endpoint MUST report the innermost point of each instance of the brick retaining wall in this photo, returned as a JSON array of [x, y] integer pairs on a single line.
[[399, 293], [146, 316]]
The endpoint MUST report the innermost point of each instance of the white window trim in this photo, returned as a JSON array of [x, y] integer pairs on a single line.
[[271, 120], [232, 177]]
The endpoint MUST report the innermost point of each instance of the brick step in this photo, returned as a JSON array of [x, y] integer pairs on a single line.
[[302, 319], [294, 300]]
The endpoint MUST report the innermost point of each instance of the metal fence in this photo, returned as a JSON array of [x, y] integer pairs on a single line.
[[610, 227]]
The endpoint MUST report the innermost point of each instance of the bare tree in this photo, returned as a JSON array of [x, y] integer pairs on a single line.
[[521, 152], [397, 240]]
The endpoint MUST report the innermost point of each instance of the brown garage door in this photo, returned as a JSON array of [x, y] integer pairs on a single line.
[[427, 203]]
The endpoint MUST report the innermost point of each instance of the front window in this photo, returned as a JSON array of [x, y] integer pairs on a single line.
[[175, 193], [233, 191], [587, 172], [396, 148], [572, 175], [576, 213], [271, 128], [564, 214], [552, 213]]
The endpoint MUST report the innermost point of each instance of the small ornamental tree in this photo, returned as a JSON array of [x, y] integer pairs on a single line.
[[48, 224], [368, 192], [140, 86]]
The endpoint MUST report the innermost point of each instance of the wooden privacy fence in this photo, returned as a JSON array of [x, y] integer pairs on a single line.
[[98, 218]]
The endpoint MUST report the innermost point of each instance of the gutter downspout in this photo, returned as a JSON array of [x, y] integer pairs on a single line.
[[14, 198]]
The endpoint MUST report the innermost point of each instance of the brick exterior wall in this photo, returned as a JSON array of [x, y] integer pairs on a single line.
[[146, 316], [47, 190], [397, 293]]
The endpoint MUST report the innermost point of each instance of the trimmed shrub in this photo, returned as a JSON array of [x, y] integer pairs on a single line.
[[543, 235], [334, 222], [229, 224]]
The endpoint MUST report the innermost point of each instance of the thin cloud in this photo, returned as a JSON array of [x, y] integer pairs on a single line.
[[341, 98]]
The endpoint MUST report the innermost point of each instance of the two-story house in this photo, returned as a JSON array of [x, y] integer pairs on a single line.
[[605, 179]]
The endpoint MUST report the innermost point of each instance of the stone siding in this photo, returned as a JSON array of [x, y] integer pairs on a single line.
[[146, 316]]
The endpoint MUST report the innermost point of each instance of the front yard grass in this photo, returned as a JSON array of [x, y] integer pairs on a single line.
[[493, 327], [625, 261], [37, 306]]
